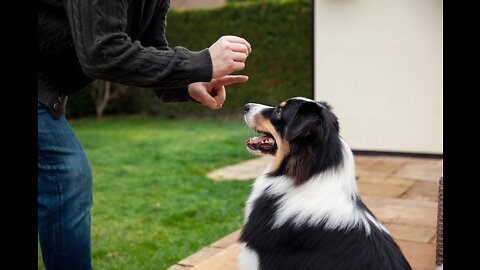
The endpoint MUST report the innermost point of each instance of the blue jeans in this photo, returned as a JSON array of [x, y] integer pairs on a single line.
[[64, 195]]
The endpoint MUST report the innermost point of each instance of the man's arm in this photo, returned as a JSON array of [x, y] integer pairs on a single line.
[[154, 36], [106, 52], [155, 33]]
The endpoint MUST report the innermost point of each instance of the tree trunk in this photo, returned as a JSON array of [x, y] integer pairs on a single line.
[[106, 98], [103, 93], [102, 97]]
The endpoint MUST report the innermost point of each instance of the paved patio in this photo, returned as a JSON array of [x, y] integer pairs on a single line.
[[401, 191]]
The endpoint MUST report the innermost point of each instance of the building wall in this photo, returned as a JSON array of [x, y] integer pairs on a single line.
[[379, 63]]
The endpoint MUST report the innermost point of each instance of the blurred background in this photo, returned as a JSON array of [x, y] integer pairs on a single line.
[[378, 63]]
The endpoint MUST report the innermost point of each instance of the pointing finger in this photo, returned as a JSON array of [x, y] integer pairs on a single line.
[[231, 79]]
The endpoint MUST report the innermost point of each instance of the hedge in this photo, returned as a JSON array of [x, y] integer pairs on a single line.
[[279, 67]]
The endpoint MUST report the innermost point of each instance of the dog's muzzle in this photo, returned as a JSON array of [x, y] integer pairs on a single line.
[[263, 144]]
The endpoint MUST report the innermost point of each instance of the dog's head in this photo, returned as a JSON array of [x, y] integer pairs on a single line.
[[302, 134]]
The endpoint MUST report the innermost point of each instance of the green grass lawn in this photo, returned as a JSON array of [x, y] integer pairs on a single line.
[[153, 204]]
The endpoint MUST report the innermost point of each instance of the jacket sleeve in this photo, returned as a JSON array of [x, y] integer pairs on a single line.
[[155, 36], [107, 52]]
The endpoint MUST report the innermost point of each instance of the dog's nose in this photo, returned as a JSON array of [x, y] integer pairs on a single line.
[[247, 107]]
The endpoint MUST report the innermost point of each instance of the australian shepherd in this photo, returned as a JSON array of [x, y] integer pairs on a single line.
[[305, 212]]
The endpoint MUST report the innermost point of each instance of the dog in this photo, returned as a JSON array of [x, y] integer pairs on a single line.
[[305, 211]]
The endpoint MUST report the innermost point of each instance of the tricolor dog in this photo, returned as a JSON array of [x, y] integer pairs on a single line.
[[305, 212]]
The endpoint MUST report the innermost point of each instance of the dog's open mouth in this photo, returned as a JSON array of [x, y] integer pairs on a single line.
[[265, 145]]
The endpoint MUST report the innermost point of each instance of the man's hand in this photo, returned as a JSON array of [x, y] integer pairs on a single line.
[[228, 55], [212, 94]]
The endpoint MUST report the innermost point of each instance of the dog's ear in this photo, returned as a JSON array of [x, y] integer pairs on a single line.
[[329, 118], [308, 117]]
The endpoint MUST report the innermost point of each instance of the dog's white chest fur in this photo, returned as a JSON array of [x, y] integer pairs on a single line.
[[326, 198], [248, 259]]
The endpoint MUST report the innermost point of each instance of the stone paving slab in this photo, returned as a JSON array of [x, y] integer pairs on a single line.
[[388, 181], [227, 240], [423, 191], [386, 166], [405, 216], [372, 189], [179, 267], [368, 173], [400, 214], [200, 256], [246, 170], [423, 172], [420, 256], [411, 233], [207, 252], [382, 201], [225, 260]]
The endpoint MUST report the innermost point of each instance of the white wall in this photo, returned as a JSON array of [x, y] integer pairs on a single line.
[[379, 64]]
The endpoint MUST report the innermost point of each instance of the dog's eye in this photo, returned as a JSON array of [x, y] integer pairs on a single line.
[[278, 113]]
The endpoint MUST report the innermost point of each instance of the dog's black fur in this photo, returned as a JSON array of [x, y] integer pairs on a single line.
[[290, 247], [312, 133]]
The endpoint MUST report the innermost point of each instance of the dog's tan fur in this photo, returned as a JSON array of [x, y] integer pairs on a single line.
[[263, 124]]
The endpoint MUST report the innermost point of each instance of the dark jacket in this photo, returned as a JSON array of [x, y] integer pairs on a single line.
[[121, 41]]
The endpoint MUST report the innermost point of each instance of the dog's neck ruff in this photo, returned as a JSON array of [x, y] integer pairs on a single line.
[[329, 198]]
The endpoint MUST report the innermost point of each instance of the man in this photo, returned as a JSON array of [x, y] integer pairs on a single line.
[[121, 41]]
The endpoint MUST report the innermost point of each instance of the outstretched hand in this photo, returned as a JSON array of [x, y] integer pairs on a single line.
[[212, 94]]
